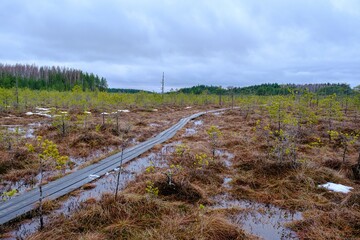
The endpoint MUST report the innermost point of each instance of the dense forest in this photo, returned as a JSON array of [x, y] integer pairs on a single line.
[[64, 79], [125, 90], [48, 78], [272, 89]]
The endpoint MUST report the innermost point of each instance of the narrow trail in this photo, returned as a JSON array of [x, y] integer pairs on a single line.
[[27, 201]]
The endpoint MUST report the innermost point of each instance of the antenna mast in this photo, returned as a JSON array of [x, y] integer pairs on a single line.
[[162, 84]]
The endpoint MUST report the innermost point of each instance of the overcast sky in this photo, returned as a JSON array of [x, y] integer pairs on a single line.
[[227, 42]]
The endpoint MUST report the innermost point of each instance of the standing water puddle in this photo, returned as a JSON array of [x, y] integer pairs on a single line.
[[78, 161], [95, 189], [25, 131], [227, 180], [198, 122], [192, 131], [225, 156], [265, 221]]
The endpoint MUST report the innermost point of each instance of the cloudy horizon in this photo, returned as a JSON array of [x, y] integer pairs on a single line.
[[232, 43]]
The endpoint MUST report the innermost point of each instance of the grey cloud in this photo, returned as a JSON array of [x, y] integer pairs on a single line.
[[195, 42]]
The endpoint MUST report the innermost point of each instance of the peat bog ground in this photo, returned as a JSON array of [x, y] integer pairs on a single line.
[[228, 175]]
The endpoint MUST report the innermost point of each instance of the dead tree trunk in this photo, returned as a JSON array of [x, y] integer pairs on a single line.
[[356, 168]]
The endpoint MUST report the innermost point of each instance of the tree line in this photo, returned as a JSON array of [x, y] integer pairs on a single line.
[[48, 78], [270, 89], [125, 90]]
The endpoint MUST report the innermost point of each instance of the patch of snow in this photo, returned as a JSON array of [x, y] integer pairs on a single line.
[[155, 110], [336, 187], [188, 107], [29, 113], [63, 112], [93, 176], [116, 169], [42, 109], [217, 113], [104, 113], [125, 111]]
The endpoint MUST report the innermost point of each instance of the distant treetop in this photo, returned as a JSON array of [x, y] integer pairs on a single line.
[[48, 78], [125, 90], [272, 89]]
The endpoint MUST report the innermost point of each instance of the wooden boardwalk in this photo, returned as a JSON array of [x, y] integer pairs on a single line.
[[27, 201]]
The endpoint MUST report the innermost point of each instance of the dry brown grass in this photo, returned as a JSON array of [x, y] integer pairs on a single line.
[[293, 186], [16, 159], [49, 205], [286, 185], [88, 186], [352, 200], [139, 217], [180, 190], [20, 174], [337, 223], [257, 176]]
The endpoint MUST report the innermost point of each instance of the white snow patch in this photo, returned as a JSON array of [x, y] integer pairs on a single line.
[[43, 114], [188, 107], [104, 113], [125, 111], [29, 113], [42, 109], [93, 176], [218, 113], [336, 187]]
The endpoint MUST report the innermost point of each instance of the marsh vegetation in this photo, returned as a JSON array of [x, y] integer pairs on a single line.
[[268, 156]]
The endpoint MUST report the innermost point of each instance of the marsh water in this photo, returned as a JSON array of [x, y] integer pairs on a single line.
[[263, 220]]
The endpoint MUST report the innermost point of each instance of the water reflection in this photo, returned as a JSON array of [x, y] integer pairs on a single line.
[[263, 220]]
